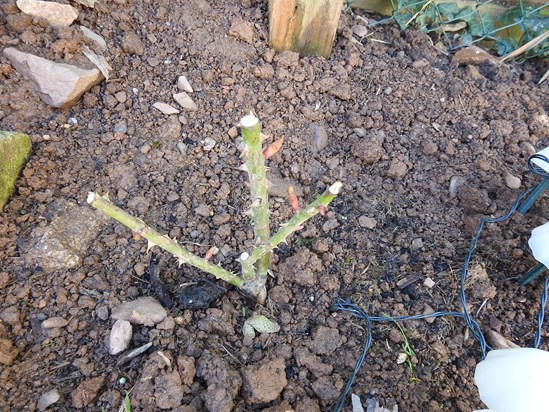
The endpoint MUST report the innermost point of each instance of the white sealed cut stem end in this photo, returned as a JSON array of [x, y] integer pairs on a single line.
[[244, 256], [539, 243], [249, 121], [335, 188], [538, 162], [91, 197], [514, 380]]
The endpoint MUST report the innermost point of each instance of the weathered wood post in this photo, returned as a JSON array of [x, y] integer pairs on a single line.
[[305, 26]]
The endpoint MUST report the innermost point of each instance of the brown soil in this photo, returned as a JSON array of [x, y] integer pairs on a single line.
[[401, 121]]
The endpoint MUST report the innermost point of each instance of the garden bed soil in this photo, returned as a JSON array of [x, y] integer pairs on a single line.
[[392, 118]]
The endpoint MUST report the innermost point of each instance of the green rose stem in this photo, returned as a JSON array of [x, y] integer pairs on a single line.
[[103, 204], [256, 286], [259, 210]]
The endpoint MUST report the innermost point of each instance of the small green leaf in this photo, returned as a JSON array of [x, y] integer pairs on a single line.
[[260, 324]]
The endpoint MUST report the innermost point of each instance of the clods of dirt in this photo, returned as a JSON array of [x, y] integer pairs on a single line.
[[424, 147]]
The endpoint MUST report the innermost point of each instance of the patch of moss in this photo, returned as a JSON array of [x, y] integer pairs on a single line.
[[15, 149]]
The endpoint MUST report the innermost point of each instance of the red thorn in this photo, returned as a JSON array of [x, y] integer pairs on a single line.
[[137, 235], [293, 199], [322, 210], [210, 253], [271, 150]]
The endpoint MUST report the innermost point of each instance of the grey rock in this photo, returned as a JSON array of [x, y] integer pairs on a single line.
[[56, 14], [185, 101], [120, 336], [47, 399], [142, 311], [58, 84], [62, 243], [319, 139], [512, 182], [183, 84], [95, 37], [165, 108]]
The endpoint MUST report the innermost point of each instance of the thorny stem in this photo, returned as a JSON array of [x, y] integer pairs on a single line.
[[103, 204], [295, 223], [255, 164]]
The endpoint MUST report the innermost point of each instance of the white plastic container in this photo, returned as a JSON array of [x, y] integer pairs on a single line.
[[541, 163], [514, 380], [539, 243]]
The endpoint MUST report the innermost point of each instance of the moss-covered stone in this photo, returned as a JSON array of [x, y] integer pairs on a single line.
[[15, 149]]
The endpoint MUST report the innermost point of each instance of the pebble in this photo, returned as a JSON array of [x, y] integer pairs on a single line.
[[172, 197], [202, 210], [233, 132], [183, 84], [182, 147], [58, 85], [319, 139], [142, 311], [360, 30], [242, 30], [427, 311], [182, 119], [56, 14], [428, 282], [121, 97], [132, 44], [512, 182], [102, 312], [185, 101], [397, 169], [330, 225], [367, 222], [165, 108], [455, 183], [209, 144], [56, 322], [120, 127], [146, 148], [120, 336], [47, 399]]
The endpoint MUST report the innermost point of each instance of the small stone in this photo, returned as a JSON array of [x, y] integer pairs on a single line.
[[202, 210], [58, 84], [47, 399], [172, 197], [209, 144], [233, 132], [132, 44], [121, 97], [242, 30], [498, 341], [360, 131], [102, 312], [56, 14], [10, 315], [182, 147], [120, 127], [319, 139], [165, 108], [143, 311], [95, 37], [367, 222], [185, 101], [360, 30], [85, 394], [430, 148], [428, 282], [512, 182], [56, 322], [427, 311], [183, 84], [420, 63], [120, 337], [146, 148], [473, 55], [455, 183]]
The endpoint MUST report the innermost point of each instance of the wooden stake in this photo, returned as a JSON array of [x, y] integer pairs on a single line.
[[305, 26]]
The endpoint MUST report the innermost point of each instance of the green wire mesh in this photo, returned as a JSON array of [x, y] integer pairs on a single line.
[[464, 23]]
